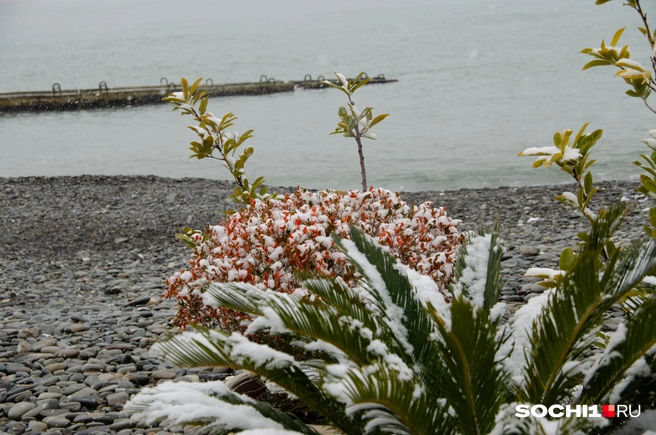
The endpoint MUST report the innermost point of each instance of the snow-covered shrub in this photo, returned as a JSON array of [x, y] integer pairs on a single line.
[[269, 241]]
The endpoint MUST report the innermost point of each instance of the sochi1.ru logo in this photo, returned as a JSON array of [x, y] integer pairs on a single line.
[[559, 411]]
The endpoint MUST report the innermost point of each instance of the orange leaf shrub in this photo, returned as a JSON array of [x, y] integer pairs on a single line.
[[267, 242]]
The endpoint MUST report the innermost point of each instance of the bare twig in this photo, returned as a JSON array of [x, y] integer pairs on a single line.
[[363, 171], [648, 106]]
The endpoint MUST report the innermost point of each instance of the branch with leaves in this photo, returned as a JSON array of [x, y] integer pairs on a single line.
[[643, 82], [354, 123], [215, 142], [573, 159]]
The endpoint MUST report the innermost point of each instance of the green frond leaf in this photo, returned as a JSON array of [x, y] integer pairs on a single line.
[[416, 320], [183, 403], [208, 348], [403, 408], [473, 384], [633, 341]]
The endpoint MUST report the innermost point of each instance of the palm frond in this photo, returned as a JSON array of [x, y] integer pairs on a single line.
[[494, 281], [627, 347], [210, 405], [572, 316], [313, 320], [635, 264], [216, 348], [402, 308], [237, 296], [561, 333], [323, 322], [393, 402], [347, 301], [473, 383], [477, 272]]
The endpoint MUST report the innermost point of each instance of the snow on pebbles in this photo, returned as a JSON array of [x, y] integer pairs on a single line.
[[82, 264]]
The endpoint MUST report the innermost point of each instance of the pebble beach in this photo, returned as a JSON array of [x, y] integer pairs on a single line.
[[83, 262]]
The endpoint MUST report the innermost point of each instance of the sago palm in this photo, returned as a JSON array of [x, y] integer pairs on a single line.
[[392, 355]]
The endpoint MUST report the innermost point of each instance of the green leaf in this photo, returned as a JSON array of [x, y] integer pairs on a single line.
[[588, 182], [475, 384], [591, 195], [567, 259], [639, 338], [594, 63], [624, 53], [359, 84], [377, 119], [185, 87], [337, 87], [649, 184], [565, 141], [191, 243], [580, 133], [616, 37], [203, 105], [557, 139], [247, 135], [258, 182], [220, 349], [588, 164], [195, 85], [564, 330]]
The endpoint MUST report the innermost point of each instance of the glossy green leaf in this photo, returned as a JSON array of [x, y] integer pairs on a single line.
[[616, 37]]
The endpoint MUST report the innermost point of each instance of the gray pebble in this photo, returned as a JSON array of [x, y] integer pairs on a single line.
[[117, 399], [17, 411], [57, 421]]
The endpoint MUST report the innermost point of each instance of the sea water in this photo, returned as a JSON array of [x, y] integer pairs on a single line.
[[479, 81]]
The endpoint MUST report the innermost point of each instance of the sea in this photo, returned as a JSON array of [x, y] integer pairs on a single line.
[[478, 82]]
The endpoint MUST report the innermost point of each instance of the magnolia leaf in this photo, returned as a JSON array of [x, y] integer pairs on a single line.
[[652, 216], [616, 37], [359, 84], [185, 87], [579, 198], [624, 53], [326, 82], [557, 139], [191, 243], [377, 119], [203, 105], [648, 183], [580, 133], [565, 140], [595, 63], [588, 182], [195, 85]]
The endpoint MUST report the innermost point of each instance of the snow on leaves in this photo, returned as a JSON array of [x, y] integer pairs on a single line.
[[269, 241]]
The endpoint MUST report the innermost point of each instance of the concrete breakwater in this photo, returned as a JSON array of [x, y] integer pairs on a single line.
[[105, 97]]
